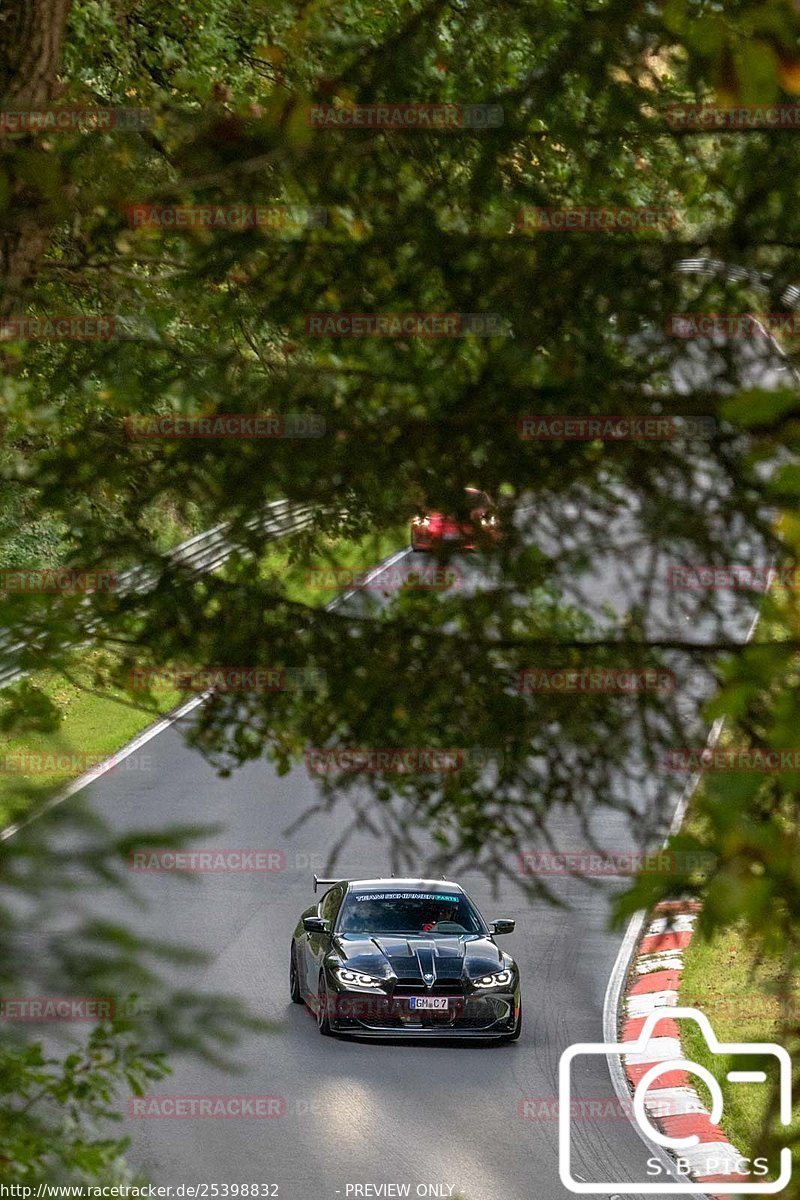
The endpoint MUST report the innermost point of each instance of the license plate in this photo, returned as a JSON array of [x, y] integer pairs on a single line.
[[436, 1003]]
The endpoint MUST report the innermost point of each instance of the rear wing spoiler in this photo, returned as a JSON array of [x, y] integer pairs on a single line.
[[327, 882], [318, 881]]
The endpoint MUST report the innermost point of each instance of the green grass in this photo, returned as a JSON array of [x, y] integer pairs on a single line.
[[303, 580], [740, 996], [741, 1000], [94, 725]]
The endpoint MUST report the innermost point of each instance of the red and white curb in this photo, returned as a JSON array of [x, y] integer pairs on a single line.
[[671, 1103]]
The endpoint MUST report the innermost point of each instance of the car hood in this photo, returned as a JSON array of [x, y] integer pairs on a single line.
[[410, 958]]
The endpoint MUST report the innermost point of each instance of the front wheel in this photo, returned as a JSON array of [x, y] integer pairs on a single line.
[[294, 978]]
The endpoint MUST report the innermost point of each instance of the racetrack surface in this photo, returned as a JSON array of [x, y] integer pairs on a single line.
[[477, 1122], [358, 1113]]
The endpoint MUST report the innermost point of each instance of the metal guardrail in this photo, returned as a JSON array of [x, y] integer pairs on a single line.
[[199, 555], [758, 280]]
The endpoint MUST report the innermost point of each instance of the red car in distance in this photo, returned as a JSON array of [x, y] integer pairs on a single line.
[[478, 525]]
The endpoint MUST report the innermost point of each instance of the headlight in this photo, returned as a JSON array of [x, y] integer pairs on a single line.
[[499, 979], [490, 522], [423, 521], [355, 978]]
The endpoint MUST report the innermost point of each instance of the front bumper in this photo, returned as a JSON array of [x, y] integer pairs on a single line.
[[422, 539], [487, 1014]]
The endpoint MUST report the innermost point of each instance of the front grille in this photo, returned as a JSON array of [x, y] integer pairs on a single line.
[[439, 987]]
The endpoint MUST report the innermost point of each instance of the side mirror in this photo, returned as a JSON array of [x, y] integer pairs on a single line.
[[315, 925], [503, 925]]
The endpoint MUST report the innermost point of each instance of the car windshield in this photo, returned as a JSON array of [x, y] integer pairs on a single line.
[[408, 912]]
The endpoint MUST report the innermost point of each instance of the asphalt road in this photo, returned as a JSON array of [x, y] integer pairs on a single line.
[[479, 1122], [358, 1113], [452, 1118]]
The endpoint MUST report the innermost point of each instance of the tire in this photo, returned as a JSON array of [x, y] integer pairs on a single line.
[[513, 1037], [294, 979], [323, 1020]]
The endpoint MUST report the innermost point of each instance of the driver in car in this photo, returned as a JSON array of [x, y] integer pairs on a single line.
[[434, 916]]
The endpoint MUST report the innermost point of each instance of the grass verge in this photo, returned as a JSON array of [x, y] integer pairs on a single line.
[[306, 581], [37, 763], [740, 996]]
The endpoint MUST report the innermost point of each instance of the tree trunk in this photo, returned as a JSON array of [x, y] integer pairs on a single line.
[[31, 41]]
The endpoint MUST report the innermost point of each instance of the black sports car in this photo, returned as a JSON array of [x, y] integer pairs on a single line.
[[404, 958]]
